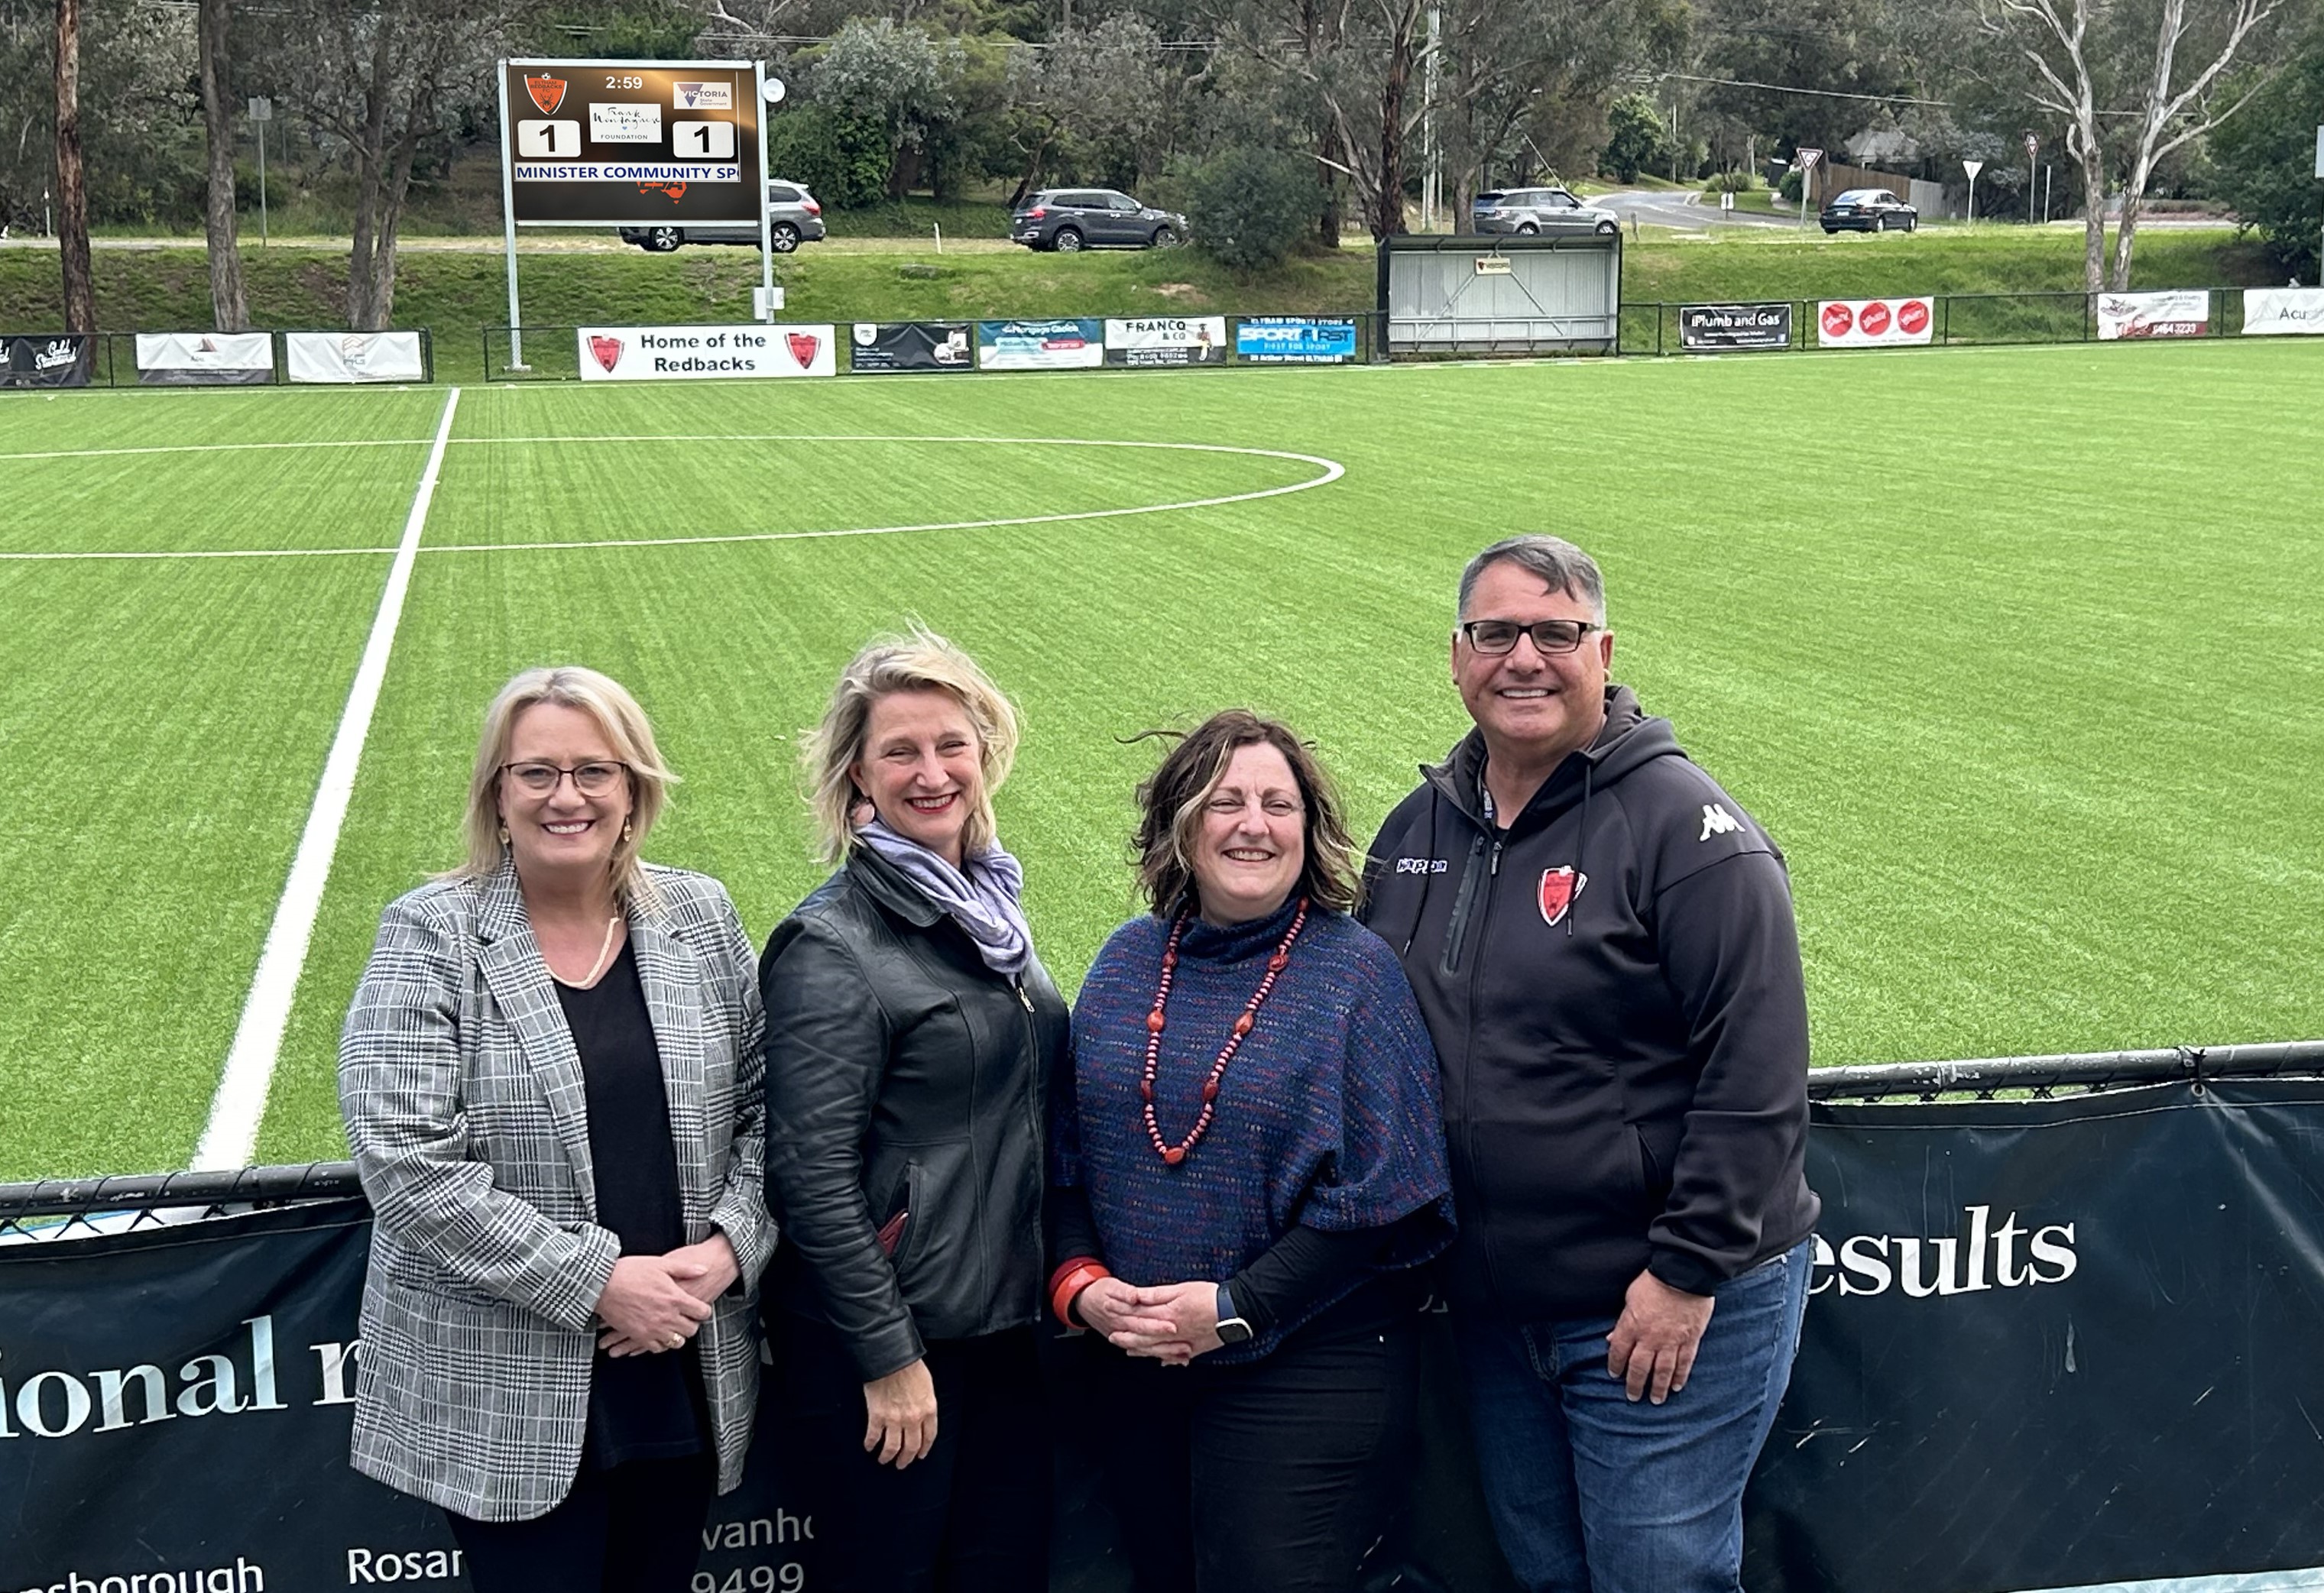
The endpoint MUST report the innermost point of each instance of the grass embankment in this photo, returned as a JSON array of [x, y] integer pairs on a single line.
[[457, 293]]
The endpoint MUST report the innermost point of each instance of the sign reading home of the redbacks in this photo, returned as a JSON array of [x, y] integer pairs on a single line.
[[1734, 326], [631, 142], [692, 354]]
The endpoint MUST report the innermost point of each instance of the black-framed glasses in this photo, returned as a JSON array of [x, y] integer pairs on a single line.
[[1492, 638], [540, 779]]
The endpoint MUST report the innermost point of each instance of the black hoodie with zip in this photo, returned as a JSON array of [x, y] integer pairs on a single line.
[[1613, 984]]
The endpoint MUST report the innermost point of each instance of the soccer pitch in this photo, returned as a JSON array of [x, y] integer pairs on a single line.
[[2018, 652]]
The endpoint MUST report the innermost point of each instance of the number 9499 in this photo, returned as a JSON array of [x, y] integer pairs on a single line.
[[790, 1577]]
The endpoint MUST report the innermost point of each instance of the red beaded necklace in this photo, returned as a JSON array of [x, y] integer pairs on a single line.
[[1176, 1153]]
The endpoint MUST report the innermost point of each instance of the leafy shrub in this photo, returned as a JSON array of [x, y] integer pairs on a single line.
[[1730, 182], [1637, 139], [1791, 187], [842, 159], [1251, 207]]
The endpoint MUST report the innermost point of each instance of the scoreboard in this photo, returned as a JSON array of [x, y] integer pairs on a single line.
[[631, 143]]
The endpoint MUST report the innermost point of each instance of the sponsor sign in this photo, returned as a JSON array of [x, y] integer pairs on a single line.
[[1167, 340], [1874, 322], [1040, 345], [693, 353], [1734, 325], [2281, 312], [2175, 312], [205, 359], [2090, 1335], [47, 359], [353, 356], [631, 143], [911, 346], [2016, 1342], [1294, 340]]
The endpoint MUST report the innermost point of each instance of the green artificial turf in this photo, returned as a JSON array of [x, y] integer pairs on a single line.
[[2015, 651]]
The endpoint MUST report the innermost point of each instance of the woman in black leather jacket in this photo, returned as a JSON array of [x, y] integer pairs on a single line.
[[912, 1037]]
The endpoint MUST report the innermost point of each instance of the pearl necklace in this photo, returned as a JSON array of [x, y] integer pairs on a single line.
[[1174, 1154]]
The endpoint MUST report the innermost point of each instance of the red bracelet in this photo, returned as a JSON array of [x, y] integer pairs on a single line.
[[1067, 1283]]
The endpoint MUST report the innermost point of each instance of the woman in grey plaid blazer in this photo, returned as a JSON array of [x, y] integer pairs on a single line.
[[550, 1076]]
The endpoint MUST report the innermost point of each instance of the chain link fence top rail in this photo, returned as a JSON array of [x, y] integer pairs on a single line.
[[57, 1207]]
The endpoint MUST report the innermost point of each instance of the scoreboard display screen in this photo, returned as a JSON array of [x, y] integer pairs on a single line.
[[631, 143]]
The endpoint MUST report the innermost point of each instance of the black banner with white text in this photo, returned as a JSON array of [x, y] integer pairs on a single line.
[[2055, 1344]]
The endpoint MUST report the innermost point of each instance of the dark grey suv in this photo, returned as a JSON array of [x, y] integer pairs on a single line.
[[1545, 212], [1070, 218], [793, 217]]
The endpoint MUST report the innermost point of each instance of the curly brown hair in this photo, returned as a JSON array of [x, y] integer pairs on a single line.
[[1170, 813]]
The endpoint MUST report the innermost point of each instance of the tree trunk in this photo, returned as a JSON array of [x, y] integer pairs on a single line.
[[2125, 235], [1388, 209], [72, 183], [395, 189], [1332, 216], [2093, 223], [363, 311], [229, 306]]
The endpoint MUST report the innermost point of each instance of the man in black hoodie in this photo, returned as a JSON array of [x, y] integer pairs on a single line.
[[1603, 942]]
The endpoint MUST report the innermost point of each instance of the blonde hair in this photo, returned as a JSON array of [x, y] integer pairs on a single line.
[[920, 661], [625, 728]]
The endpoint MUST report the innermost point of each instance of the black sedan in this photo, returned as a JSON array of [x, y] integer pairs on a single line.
[[1083, 218], [1869, 210]]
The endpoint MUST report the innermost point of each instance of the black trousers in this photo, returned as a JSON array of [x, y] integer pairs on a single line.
[[1272, 1477], [972, 1518], [636, 1528]]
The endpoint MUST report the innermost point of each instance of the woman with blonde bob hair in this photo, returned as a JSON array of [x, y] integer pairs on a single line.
[[551, 1080], [912, 1038]]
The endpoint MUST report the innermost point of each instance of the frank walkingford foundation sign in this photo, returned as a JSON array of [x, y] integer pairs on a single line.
[[2053, 1344]]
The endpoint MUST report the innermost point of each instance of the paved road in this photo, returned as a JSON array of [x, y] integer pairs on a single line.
[[1665, 208]]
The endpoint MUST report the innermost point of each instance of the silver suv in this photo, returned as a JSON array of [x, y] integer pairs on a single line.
[[793, 217], [1545, 212]]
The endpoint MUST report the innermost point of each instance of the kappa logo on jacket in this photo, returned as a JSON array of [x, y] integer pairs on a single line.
[[1718, 820], [1559, 887]]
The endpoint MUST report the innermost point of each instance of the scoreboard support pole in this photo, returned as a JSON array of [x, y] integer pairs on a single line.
[[508, 224], [758, 109]]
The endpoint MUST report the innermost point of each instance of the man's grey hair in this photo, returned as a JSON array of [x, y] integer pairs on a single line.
[[1558, 564]]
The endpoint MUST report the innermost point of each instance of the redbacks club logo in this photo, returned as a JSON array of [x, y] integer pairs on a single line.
[[805, 346], [607, 352], [547, 92], [1559, 887]]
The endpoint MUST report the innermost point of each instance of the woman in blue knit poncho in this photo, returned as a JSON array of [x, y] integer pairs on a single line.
[[1250, 1166]]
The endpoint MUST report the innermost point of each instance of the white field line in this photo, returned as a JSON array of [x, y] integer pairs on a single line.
[[240, 1103], [1331, 470], [387, 442]]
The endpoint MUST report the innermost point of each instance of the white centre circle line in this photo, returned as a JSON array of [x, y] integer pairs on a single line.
[[1328, 472]]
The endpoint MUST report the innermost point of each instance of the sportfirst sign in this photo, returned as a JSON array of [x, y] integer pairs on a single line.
[[695, 354], [631, 143], [1874, 322]]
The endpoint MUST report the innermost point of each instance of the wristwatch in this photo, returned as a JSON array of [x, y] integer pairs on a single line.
[[1231, 1329]]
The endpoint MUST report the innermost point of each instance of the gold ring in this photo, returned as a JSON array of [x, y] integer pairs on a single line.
[[675, 1339]]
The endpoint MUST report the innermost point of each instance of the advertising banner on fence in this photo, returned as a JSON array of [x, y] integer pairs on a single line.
[[353, 356], [1734, 326], [1040, 345], [1167, 340], [695, 354], [911, 346], [2282, 312], [2173, 312], [1296, 340], [2055, 1344], [48, 359], [205, 359], [1874, 322]]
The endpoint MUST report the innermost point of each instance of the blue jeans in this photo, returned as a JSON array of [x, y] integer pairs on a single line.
[[1592, 1494]]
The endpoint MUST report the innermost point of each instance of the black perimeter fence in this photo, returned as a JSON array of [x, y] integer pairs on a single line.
[[75, 1201]]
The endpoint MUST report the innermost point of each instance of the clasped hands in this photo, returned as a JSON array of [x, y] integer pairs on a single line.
[[654, 1304], [1170, 1323]]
